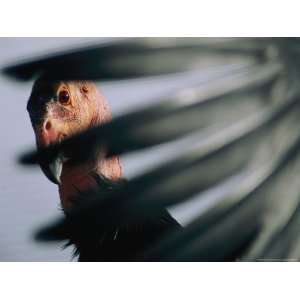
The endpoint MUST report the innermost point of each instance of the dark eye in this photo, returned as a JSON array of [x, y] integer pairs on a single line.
[[64, 97], [84, 89]]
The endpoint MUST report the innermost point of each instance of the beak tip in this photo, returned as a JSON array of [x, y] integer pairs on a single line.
[[52, 170]]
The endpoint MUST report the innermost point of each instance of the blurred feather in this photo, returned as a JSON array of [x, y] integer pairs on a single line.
[[248, 125], [222, 101], [126, 58]]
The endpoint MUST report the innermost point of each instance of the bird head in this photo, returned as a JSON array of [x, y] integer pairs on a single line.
[[59, 110]]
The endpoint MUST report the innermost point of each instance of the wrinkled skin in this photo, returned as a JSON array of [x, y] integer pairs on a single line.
[[61, 109]]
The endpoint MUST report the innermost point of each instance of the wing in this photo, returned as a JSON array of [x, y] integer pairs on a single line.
[[245, 119]]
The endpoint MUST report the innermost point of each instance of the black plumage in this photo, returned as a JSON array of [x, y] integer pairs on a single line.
[[247, 118], [122, 239]]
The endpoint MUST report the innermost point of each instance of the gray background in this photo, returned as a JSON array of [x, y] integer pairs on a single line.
[[27, 198]]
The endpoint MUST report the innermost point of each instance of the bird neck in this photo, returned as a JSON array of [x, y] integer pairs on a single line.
[[81, 178]]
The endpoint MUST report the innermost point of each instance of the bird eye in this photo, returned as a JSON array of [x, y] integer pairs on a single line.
[[64, 97], [84, 89]]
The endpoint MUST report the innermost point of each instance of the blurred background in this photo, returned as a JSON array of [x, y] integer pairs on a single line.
[[27, 199]]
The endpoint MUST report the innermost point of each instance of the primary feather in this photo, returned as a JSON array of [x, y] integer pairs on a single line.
[[247, 118]]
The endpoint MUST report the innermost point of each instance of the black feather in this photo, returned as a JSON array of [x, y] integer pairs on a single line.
[[249, 124], [117, 241]]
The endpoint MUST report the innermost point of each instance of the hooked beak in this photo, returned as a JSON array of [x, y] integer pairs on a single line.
[[53, 169], [48, 133]]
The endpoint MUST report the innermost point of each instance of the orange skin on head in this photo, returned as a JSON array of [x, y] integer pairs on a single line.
[[61, 109]]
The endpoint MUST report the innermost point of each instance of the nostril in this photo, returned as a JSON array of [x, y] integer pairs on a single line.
[[48, 125]]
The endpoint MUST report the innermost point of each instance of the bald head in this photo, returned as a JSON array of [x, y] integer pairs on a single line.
[[58, 110], [61, 109]]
